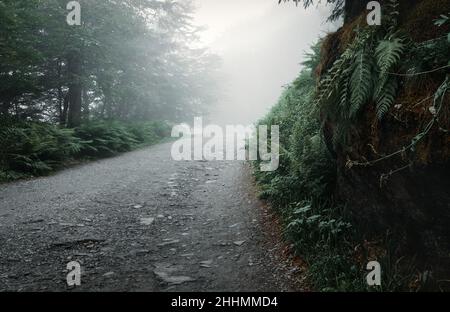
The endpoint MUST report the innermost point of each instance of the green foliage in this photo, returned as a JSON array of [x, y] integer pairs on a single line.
[[135, 61], [150, 132], [324, 238], [360, 74], [33, 148], [109, 138], [444, 19], [373, 67], [388, 53], [361, 82], [36, 148], [332, 272], [301, 189], [311, 222], [105, 138], [350, 79], [385, 96]]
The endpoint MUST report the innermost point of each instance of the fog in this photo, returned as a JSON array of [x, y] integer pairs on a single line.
[[262, 45]]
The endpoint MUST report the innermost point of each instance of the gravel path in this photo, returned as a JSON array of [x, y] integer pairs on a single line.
[[140, 222]]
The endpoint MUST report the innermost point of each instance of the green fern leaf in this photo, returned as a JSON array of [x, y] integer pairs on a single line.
[[386, 97], [388, 53], [361, 83]]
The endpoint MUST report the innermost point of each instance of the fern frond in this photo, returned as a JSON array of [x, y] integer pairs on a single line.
[[386, 96], [361, 83], [392, 16], [344, 88], [334, 85], [388, 54]]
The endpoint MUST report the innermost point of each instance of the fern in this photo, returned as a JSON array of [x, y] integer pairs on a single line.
[[344, 97], [388, 53], [367, 70], [349, 81], [392, 16], [386, 96], [38, 148], [361, 82]]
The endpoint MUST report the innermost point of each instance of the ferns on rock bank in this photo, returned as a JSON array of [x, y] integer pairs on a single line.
[[372, 69], [362, 74]]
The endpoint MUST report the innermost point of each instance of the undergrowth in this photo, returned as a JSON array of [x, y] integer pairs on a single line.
[[35, 148], [371, 70], [301, 189]]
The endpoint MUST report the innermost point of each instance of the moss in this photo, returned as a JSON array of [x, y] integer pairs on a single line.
[[329, 52], [347, 32]]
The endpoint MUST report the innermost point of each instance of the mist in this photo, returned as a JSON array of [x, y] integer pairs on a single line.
[[261, 45]]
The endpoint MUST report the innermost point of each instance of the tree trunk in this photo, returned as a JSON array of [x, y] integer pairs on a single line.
[[75, 89], [60, 104], [353, 8], [61, 98], [85, 104], [63, 116], [107, 105], [4, 108]]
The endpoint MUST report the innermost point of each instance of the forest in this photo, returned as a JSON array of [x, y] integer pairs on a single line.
[[117, 80]]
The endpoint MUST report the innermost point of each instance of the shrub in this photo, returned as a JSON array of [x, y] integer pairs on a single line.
[[150, 132], [34, 148], [105, 138], [301, 190]]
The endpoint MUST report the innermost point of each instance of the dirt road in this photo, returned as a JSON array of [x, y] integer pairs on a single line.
[[140, 222]]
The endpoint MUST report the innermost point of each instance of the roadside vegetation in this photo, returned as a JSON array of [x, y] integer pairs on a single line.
[[32, 149], [367, 115], [108, 85], [301, 190]]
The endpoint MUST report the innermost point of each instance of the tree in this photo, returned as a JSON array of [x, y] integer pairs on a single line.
[[129, 60]]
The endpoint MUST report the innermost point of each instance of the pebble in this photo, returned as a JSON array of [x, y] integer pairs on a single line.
[[175, 241], [109, 274], [206, 264], [147, 221]]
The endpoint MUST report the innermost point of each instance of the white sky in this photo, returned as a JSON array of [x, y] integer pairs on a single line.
[[261, 44]]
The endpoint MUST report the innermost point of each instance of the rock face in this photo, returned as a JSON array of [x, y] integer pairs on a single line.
[[414, 201]]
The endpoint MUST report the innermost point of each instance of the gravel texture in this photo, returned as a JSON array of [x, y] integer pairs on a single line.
[[141, 222]]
